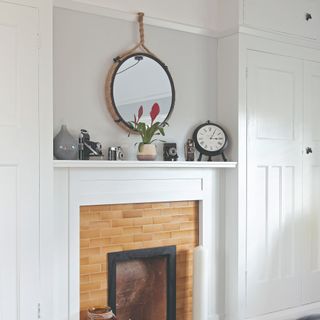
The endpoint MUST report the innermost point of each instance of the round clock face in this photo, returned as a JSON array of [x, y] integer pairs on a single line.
[[210, 139]]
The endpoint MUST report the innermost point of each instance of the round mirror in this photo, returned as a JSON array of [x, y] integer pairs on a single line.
[[137, 80]]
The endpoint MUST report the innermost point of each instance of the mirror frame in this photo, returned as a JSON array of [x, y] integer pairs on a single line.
[[110, 82]]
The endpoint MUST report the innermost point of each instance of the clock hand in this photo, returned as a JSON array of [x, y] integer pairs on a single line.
[[213, 134]]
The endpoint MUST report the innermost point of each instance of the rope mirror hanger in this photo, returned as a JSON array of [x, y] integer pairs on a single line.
[[121, 95]]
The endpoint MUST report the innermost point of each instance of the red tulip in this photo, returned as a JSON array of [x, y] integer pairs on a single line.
[[154, 111], [140, 112]]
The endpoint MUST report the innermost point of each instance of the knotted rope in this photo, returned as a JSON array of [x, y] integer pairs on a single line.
[[141, 44]]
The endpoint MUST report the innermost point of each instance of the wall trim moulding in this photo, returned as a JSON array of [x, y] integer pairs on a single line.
[[91, 7]]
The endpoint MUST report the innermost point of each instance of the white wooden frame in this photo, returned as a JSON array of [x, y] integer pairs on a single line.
[[75, 187]]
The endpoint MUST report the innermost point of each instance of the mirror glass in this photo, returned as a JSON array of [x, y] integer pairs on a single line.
[[141, 80]]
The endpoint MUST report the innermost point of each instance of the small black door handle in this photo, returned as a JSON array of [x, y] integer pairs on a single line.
[[308, 150], [308, 16]]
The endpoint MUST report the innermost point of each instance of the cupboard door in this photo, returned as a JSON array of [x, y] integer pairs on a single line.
[[311, 185], [284, 16], [19, 162], [274, 179]]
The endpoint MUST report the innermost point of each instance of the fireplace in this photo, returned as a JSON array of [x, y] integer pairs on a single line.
[[123, 230], [142, 283]]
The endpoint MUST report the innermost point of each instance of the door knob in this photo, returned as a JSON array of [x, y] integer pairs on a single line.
[[308, 150]]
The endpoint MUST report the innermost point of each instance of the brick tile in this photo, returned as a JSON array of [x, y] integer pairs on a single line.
[[84, 243], [122, 239], [152, 228], [100, 277], [111, 215], [123, 222], [104, 233], [162, 236], [132, 230], [111, 248], [102, 242], [162, 219], [142, 237], [91, 268], [141, 221], [86, 252], [171, 226], [90, 234], [132, 214]]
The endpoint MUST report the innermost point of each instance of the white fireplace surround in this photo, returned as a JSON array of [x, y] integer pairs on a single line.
[[106, 182]]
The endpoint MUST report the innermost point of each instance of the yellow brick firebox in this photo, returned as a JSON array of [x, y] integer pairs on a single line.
[[112, 228]]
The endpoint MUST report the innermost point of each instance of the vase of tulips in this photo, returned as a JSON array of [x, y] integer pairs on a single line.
[[146, 148]]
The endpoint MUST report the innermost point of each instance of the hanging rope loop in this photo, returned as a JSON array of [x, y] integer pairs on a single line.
[[141, 27], [140, 45]]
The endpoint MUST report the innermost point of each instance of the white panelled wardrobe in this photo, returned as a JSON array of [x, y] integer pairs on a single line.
[[25, 107], [19, 161], [273, 224]]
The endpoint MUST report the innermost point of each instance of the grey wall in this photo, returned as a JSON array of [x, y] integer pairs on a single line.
[[84, 46]]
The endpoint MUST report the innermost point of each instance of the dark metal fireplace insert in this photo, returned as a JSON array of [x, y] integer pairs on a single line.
[[142, 283]]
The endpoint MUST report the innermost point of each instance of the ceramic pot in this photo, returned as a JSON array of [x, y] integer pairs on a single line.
[[65, 146], [100, 313], [147, 152]]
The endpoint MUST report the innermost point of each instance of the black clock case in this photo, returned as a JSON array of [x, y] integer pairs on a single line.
[[206, 152]]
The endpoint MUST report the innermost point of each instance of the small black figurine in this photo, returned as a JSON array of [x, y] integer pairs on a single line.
[[88, 148], [189, 149], [170, 152]]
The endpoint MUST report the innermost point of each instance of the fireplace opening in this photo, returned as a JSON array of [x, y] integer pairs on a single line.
[[142, 283]]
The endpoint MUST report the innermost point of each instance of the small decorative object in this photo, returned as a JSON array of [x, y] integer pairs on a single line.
[[170, 152], [89, 150], [147, 150], [210, 140], [65, 146], [101, 313], [189, 149], [115, 153]]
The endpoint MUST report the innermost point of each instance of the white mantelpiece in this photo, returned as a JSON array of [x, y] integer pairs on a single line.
[[143, 164], [79, 183]]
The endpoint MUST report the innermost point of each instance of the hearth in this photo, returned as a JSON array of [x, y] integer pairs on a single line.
[[142, 283]]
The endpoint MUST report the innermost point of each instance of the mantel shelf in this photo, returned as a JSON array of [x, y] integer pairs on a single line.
[[142, 164]]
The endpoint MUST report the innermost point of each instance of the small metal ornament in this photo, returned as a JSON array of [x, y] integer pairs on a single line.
[[115, 153], [189, 149]]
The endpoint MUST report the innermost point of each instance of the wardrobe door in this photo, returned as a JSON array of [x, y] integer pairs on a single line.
[[311, 186], [19, 162], [274, 182]]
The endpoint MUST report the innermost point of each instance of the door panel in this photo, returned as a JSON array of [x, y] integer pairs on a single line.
[[285, 16], [19, 162], [274, 169], [311, 187]]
